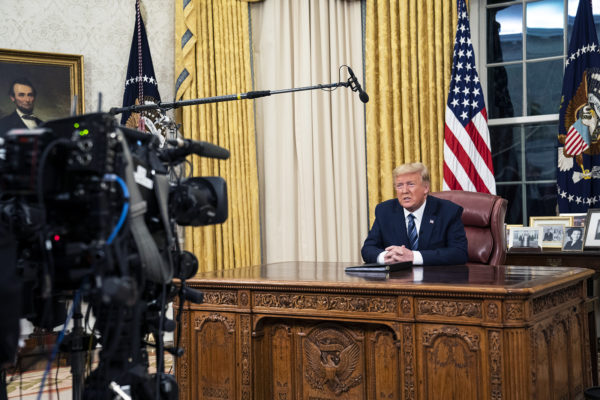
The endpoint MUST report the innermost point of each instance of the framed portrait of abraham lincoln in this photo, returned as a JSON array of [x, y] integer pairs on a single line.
[[38, 86]]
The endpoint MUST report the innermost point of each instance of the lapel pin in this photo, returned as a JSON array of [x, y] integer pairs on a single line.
[[431, 221]]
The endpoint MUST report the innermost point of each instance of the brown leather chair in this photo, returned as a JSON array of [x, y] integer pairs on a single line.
[[483, 217]]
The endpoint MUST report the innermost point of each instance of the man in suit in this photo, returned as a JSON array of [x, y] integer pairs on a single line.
[[416, 227], [22, 94], [575, 242], [525, 240], [548, 236]]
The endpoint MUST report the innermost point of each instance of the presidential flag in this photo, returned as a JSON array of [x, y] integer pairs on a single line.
[[578, 169], [141, 86], [467, 153]]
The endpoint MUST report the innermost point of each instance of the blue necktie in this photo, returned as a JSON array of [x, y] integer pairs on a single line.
[[412, 233]]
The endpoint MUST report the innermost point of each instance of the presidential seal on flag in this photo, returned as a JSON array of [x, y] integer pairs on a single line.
[[582, 127], [578, 150]]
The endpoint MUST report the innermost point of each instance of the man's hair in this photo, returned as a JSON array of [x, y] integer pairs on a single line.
[[20, 81], [411, 168]]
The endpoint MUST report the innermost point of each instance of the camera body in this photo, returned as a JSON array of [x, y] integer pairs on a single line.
[[89, 208]]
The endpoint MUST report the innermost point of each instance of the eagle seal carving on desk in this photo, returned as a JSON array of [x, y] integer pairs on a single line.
[[331, 359]]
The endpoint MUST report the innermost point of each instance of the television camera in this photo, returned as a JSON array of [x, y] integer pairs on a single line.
[[89, 213]]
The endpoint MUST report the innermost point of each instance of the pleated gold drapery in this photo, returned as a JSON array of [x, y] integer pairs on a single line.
[[213, 58], [408, 60]]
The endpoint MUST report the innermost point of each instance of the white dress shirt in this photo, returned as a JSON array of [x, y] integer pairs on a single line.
[[30, 123]]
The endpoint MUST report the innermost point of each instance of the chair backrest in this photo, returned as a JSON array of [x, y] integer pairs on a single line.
[[483, 218]]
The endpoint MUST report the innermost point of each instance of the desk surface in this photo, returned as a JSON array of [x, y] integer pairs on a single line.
[[457, 278]]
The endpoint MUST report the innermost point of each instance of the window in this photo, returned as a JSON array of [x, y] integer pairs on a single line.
[[521, 60]]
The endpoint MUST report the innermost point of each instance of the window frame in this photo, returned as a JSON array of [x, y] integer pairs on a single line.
[[478, 15]]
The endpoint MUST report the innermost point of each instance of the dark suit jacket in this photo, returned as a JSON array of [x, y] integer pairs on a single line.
[[578, 245], [13, 121], [442, 239]]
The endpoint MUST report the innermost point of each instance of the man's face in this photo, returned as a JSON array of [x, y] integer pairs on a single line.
[[576, 235], [23, 98], [411, 190]]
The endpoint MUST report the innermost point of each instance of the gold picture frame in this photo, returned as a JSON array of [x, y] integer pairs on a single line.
[[553, 229], [57, 80], [524, 237], [507, 228]]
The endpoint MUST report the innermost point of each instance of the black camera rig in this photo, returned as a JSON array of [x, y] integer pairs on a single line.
[[89, 214]]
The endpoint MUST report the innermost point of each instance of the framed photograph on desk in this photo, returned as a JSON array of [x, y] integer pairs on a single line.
[[592, 229], [524, 238], [573, 239], [508, 228], [578, 218], [553, 229]]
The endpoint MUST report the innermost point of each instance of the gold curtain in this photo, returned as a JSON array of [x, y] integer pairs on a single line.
[[408, 59], [213, 58]]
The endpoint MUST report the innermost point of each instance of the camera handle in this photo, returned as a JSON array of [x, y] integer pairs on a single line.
[[352, 83]]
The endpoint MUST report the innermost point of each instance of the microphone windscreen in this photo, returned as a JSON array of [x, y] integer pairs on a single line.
[[363, 96]]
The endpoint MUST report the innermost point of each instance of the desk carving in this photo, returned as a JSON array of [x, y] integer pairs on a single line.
[[492, 311], [450, 308], [549, 301], [220, 297], [324, 302], [513, 311], [409, 366], [332, 356], [489, 335], [495, 341]]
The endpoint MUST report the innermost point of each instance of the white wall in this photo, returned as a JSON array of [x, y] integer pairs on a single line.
[[100, 30]]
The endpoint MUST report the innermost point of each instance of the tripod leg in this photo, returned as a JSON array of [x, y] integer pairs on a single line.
[[77, 354], [3, 393]]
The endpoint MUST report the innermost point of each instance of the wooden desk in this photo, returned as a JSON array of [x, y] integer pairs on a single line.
[[558, 258], [302, 330]]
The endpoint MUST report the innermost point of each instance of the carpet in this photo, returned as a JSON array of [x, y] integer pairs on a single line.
[[58, 385]]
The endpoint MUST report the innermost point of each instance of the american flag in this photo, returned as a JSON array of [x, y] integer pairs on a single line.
[[467, 154], [141, 85]]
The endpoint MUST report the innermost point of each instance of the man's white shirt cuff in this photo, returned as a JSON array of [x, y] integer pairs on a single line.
[[417, 258]]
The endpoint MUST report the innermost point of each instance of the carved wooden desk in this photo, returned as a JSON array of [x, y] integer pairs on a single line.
[[302, 330]]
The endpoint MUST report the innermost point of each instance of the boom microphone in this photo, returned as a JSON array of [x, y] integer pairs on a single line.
[[185, 147], [362, 95]]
